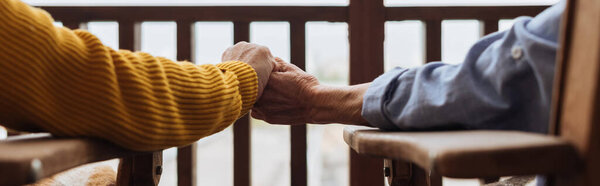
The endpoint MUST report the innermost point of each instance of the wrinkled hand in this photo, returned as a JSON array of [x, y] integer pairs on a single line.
[[257, 56], [286, 99]]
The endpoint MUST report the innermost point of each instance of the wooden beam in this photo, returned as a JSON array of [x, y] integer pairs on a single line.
[[71, 24], [298, 132], [140, 170], [206, 13], [577, 103], [241, 129], [129, 35], [433, 40], [489, 26], [186, 156], [366, 23], [460, 12]]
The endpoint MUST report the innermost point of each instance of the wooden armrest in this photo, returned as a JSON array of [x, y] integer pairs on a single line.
[[28, 158], [469, 154]]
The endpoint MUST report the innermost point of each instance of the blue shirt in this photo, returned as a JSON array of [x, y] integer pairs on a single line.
[[504, 83]]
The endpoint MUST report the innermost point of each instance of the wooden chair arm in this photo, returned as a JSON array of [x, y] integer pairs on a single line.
[[469, 154], [28, 158]]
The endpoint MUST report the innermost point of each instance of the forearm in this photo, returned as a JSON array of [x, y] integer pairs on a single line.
[[68, 83], [331, 104]]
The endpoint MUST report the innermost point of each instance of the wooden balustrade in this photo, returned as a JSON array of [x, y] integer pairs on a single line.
[[366, 20]]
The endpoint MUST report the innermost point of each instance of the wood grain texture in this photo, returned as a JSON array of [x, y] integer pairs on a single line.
[[578, 101], [469, 154], [28, 158]]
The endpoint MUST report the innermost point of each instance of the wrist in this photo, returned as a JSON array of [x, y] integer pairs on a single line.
[[331, 104], [314, 97]]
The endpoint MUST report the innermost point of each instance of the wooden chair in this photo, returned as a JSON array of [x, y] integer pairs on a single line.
[[569, 155], [28, 158]]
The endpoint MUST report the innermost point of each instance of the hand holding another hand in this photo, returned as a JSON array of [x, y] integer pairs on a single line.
[[257, 56], [287, 97], [295, 97]]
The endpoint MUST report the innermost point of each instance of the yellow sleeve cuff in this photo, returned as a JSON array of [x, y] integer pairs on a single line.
[[248, 82]]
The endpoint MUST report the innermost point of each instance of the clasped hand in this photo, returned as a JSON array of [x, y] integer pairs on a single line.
[[288, 95]]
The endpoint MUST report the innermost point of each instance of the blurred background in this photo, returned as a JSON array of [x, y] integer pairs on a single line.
[[326, 57]]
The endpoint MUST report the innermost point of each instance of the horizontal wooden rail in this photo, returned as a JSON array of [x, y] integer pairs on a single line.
[[230, 13], [283, 13], [460, 12]]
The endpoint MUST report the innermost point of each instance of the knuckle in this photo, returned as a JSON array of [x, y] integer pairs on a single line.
[[262, 49]]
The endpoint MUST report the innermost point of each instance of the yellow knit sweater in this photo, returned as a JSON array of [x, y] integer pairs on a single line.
[[68, 83]]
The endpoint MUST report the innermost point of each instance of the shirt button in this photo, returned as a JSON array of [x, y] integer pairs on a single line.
[[516, 52]]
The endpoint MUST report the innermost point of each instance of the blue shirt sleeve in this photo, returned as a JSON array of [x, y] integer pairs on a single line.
[[505, 82]]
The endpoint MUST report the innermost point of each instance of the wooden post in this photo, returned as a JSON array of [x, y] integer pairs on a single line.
[[241, 128], [129, 35], [366, 23], [73, 25], [143, 169], [186, 156], [433, 40], [298, 132], [576, 98], [489, 26]]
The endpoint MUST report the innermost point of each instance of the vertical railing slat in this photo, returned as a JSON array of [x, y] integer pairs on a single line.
[[72, 24], [298, 132], [433, 40], [490, 26], [142, 169], [186, 156], [129, 35], [366, 23], [241, 128]]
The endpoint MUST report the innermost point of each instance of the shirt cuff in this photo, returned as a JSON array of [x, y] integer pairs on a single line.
[[376, 98], [248, 82]]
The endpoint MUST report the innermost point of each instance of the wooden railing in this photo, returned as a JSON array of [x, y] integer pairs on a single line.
[[366, 20]]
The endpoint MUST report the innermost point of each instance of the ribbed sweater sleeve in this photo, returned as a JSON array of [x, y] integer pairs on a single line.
[[68, 83]]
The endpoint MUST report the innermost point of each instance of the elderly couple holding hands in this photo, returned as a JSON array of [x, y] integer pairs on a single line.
[[68, 83]]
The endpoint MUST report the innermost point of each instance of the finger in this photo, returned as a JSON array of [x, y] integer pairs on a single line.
[[275, 93], [289, 117], [272, 107], [279, 60], [285, 66], [280, 65]]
